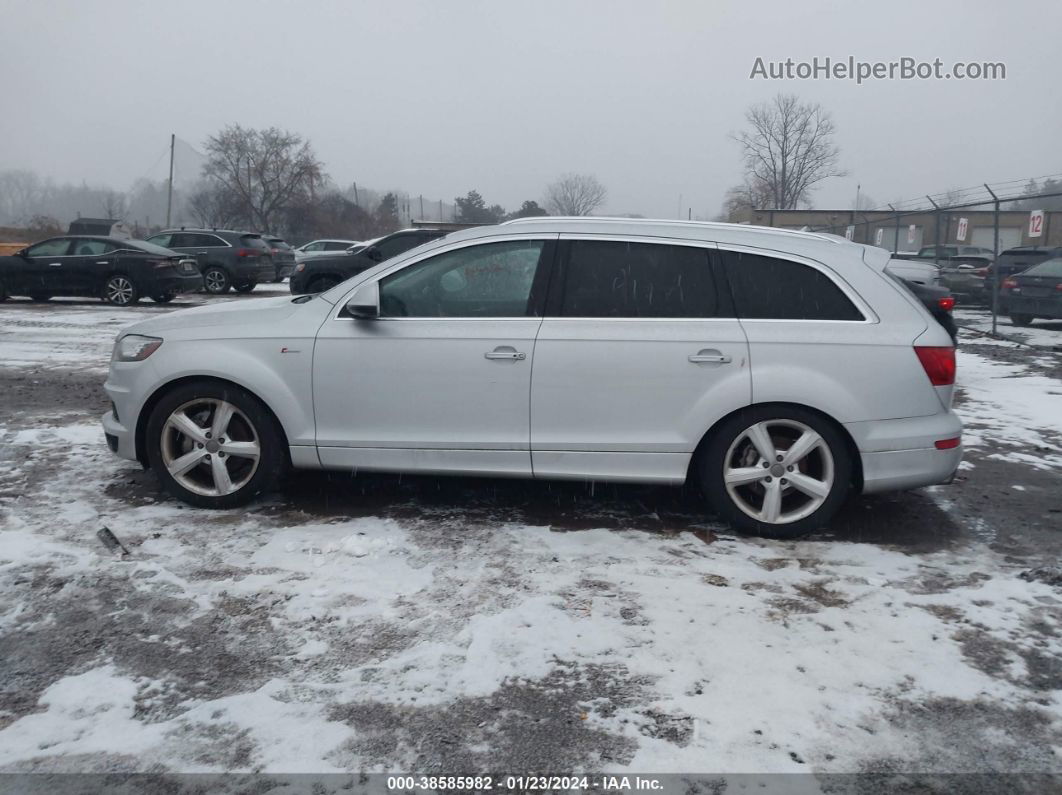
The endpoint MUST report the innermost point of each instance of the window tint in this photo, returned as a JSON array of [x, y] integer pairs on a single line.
[[1052, 267], [317, 246], [205, 241], [398, 245], [492, 280], [160, 240], [335, 246], [253, 241], [91, 248], [765, 287], [614, 279], [50, 248]]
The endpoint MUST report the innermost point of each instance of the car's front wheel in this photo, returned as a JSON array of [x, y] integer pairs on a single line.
[[163, 298], [214, 445], [779, 471], [120, 290], [216, 281], [1022, 320]]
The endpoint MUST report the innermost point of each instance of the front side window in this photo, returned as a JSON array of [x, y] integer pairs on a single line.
[[397, 245], [605, 278], [490, 280], [768, 288], [335, 246], [50, 248]]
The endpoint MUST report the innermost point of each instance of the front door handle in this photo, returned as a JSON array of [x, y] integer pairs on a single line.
[[55, 264], [505, 353], [710, 357]]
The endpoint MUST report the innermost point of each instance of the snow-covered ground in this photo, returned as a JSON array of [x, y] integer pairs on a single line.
[[426, 625]]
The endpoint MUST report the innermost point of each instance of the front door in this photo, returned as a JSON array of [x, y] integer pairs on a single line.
[[440, 382], [638, 355], [91, 262], [49, 266]]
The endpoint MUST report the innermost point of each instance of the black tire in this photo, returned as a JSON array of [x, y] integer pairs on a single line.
[[322, 283], [729, 442], [1021, 320], [216, 280], [273, 457], [246, 287], [163, 298], [4, 295], [119, 289], [40, 297]]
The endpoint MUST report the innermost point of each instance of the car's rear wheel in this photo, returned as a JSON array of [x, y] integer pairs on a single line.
[[163, 298], [40, 297], [120, 290], [1021, 320], [778, 471], [322, 283], [245, 287], [214, 445], [216, 281]]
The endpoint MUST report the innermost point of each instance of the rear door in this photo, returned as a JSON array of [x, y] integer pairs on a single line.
[[638, 355], [90, 262]]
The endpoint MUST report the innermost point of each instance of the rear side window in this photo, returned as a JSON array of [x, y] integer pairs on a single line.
[[606, 278], [160, 240], [1052, 267], [767, 288], [398, 245], [336, 246], [254, 241]]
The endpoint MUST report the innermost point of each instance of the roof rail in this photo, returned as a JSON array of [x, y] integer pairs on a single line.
[[672, 222]]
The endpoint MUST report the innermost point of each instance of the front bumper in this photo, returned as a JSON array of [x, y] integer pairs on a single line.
[[901, 454], [284, 270], [119, 438]]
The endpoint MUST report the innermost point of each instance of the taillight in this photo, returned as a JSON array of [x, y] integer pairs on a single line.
[[948, 444], [1009, 284], [246, 252], [939, 364], [947, 304], [1059, 287]]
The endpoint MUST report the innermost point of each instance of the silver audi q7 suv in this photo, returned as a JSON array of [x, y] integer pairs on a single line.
[[780, 371]]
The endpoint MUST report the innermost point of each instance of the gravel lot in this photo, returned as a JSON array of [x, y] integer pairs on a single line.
[[462, 625]]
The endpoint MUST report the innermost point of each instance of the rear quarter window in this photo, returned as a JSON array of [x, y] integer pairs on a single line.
[[769, 288]]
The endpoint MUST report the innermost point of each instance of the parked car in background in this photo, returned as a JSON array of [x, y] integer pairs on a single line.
[[283, 257], [1011, 262], [914, 271], [226, 258], [939, 302], [1034, 293], [119, 271], [778, 371], [322, 273], [947, 251], [325, 246]]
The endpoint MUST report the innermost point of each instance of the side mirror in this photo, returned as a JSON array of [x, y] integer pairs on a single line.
[[23, 252], [365, 302]]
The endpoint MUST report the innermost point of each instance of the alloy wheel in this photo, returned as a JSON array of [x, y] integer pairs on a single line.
[[216, 281], [119, 291], [210, 447], [778, 471]]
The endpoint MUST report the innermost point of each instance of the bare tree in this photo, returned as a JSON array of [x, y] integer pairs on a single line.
[[267, 170], [575, 194], [212, 204], [788, 150], [749, 195], [114, 205]]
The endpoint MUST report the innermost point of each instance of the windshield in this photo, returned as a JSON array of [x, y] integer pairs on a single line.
[[276, 242]]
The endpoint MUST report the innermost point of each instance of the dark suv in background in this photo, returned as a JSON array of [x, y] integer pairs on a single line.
[[226, 258], [283, 257], [322, 273]]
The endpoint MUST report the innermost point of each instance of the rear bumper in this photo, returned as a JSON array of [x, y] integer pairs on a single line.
[[901, 454], [1037, 307], [178, 283], [257, 272]]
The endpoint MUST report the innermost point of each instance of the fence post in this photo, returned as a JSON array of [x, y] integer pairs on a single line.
[[995, 261]]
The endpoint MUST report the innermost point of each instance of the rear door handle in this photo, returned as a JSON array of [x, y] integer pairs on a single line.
[[710, 357], [55, 264], [506, 353]]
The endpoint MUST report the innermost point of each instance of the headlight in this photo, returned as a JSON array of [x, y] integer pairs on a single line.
[[300, 267], [135, 348]]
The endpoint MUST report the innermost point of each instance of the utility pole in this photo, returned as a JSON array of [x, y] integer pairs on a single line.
[[357, 203], [169, 193], [995, 262]]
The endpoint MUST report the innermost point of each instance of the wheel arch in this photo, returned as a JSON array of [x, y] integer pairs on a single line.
[[853, 450], [163, 389]]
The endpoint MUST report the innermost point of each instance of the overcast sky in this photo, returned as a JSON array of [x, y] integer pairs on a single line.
[[437, 98]]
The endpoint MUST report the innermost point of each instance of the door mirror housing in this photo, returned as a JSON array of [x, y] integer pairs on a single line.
[[364, 303]]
